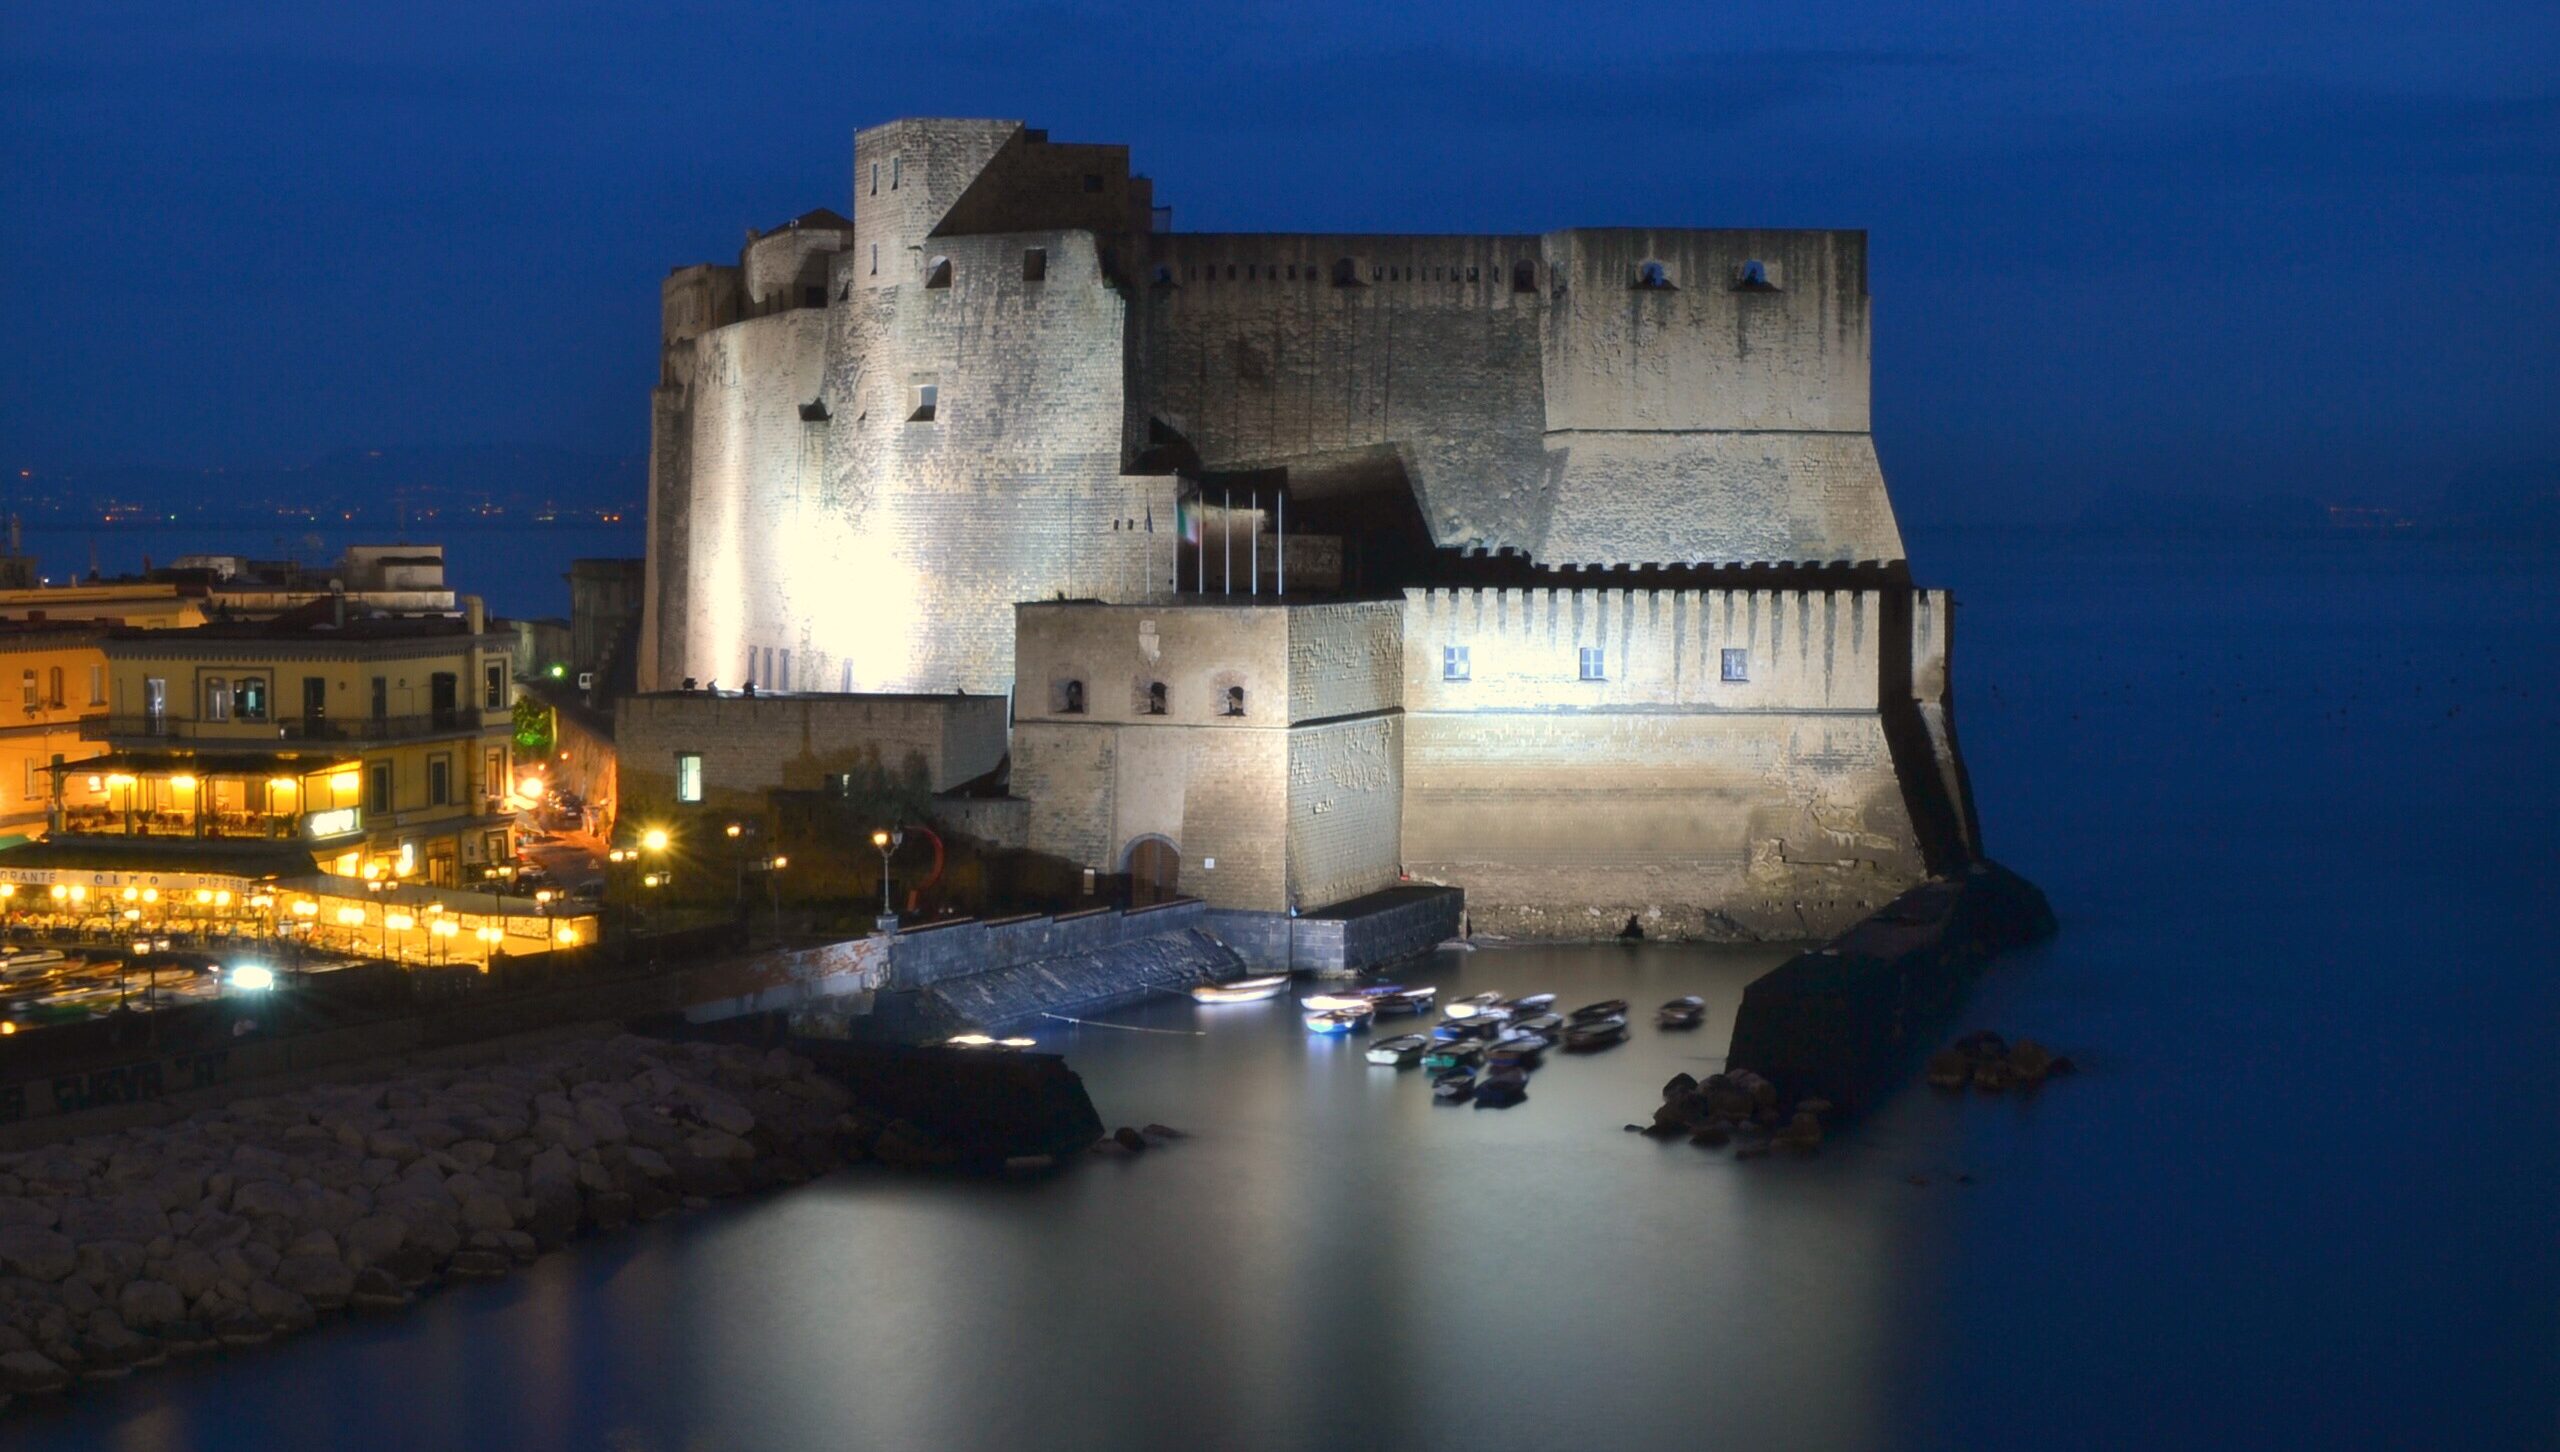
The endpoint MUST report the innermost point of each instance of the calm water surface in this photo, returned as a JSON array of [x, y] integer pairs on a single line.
[[2295, 806]]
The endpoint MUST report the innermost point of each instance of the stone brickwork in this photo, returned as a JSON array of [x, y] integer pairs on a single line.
[[1299, 794], [1769, 806], [753, 745]]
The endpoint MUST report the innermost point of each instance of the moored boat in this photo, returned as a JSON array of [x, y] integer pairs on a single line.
[[1337, 1020], [1453, 1088], [1681, 1013], [1501, 1088], [1591, 1034], [1517, 1050], [1471, 1006], [1527, 1005], [1403, 1001], [1240, 990], [1606, 1008], [1458, 1055], [1538, 1023], [1398, 1052]]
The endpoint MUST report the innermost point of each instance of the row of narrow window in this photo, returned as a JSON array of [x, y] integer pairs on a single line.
[[1456, 666], [1158, 700], [50, 696]]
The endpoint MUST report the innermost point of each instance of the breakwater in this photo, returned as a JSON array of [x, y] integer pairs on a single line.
[[260, 1217], [1847, 1021]]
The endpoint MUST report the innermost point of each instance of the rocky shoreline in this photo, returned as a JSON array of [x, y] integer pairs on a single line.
[[266, 1215]]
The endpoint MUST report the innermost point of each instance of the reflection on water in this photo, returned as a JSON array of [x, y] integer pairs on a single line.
[[2293, 807]]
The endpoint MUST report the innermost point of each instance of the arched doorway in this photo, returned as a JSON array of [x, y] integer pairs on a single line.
[[1155, 871]]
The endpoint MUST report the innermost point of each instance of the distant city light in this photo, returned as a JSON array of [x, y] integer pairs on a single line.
[[251, 977]]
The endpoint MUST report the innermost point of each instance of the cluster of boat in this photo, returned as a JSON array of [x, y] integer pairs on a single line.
[[1484, 1045]]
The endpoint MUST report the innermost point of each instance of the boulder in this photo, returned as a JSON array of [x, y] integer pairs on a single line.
[[2029, 1061], [373, 1237], [323, 1280], [717, 1144], [31, 1374], [256, 1199], [1680, 1084], [36, 1253], [150, 1305], [651, 1163], [484, 1211], [609, 1210], [242, 1328], [602, 1121], [724, 1114], [281, 1309], [1681, 1114], [377, 1290], [24, 1210], [1714, 1134], [1129, 1139]]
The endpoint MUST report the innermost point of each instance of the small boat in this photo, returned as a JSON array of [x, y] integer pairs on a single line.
[[1360, 997], [1501, 1088], [1527, 1005], [1681, 1013], [1398, 1052], [1520, 1052], [1337, 1020], [1453, 1056], [1538, 1023], [1606, 1008], [1403, 1001], [1453, 1088], [1240, 990], [1471, 1006], [1591, 1034]]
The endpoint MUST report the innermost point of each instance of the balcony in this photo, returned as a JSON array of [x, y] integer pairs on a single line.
[[212, 825], [460, 721]]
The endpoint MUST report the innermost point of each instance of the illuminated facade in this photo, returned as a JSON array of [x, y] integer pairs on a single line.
[[56, 674], [380, 744]]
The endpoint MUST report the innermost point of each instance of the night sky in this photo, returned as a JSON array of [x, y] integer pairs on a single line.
[[2179, 245]]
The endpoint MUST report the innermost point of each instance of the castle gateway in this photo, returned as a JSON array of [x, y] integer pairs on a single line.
[[1639, 634]]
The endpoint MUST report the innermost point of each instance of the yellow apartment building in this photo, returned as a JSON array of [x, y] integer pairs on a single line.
[[53, 674], [378, 743]]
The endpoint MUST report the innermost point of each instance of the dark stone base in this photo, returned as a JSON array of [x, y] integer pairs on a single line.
[[1849, 1020]]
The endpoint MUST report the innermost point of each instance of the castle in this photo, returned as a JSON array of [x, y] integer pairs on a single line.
[[1559, 568]]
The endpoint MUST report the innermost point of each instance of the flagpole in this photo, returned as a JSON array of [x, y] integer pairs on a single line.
[[1227, 541], [1253, 506]]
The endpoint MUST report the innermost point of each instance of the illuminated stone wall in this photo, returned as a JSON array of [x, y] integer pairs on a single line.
[[752, 745], [1765, 807], [1280, 801]]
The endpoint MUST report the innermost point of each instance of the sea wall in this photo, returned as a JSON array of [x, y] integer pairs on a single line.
[[267, 1214], [1847, 1021]]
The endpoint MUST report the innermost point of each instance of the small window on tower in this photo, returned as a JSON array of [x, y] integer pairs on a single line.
[[1235, 701], [1653, 277], [1156, 701], [1454, 665], [1346, 273], [1737, 665], [1035, 264], [1595, 663], [875, 178], [1755, 276], [1071, 698], [897, 169], [920, 407], [937, 272], [1524, 276], [875, 259]]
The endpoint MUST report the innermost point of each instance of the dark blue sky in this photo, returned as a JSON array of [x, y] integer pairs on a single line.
[[2181, 244]]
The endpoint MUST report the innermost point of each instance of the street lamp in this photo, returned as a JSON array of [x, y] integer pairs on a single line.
[[887, 840]]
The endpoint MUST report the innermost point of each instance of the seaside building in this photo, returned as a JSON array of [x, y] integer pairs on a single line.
[[57, 675], [379, 745], [1643, 636]]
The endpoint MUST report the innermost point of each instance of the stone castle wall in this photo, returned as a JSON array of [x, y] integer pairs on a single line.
[[752, 745], [1767, 807]]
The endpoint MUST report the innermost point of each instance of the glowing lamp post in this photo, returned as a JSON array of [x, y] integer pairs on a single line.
[[887, 840]]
